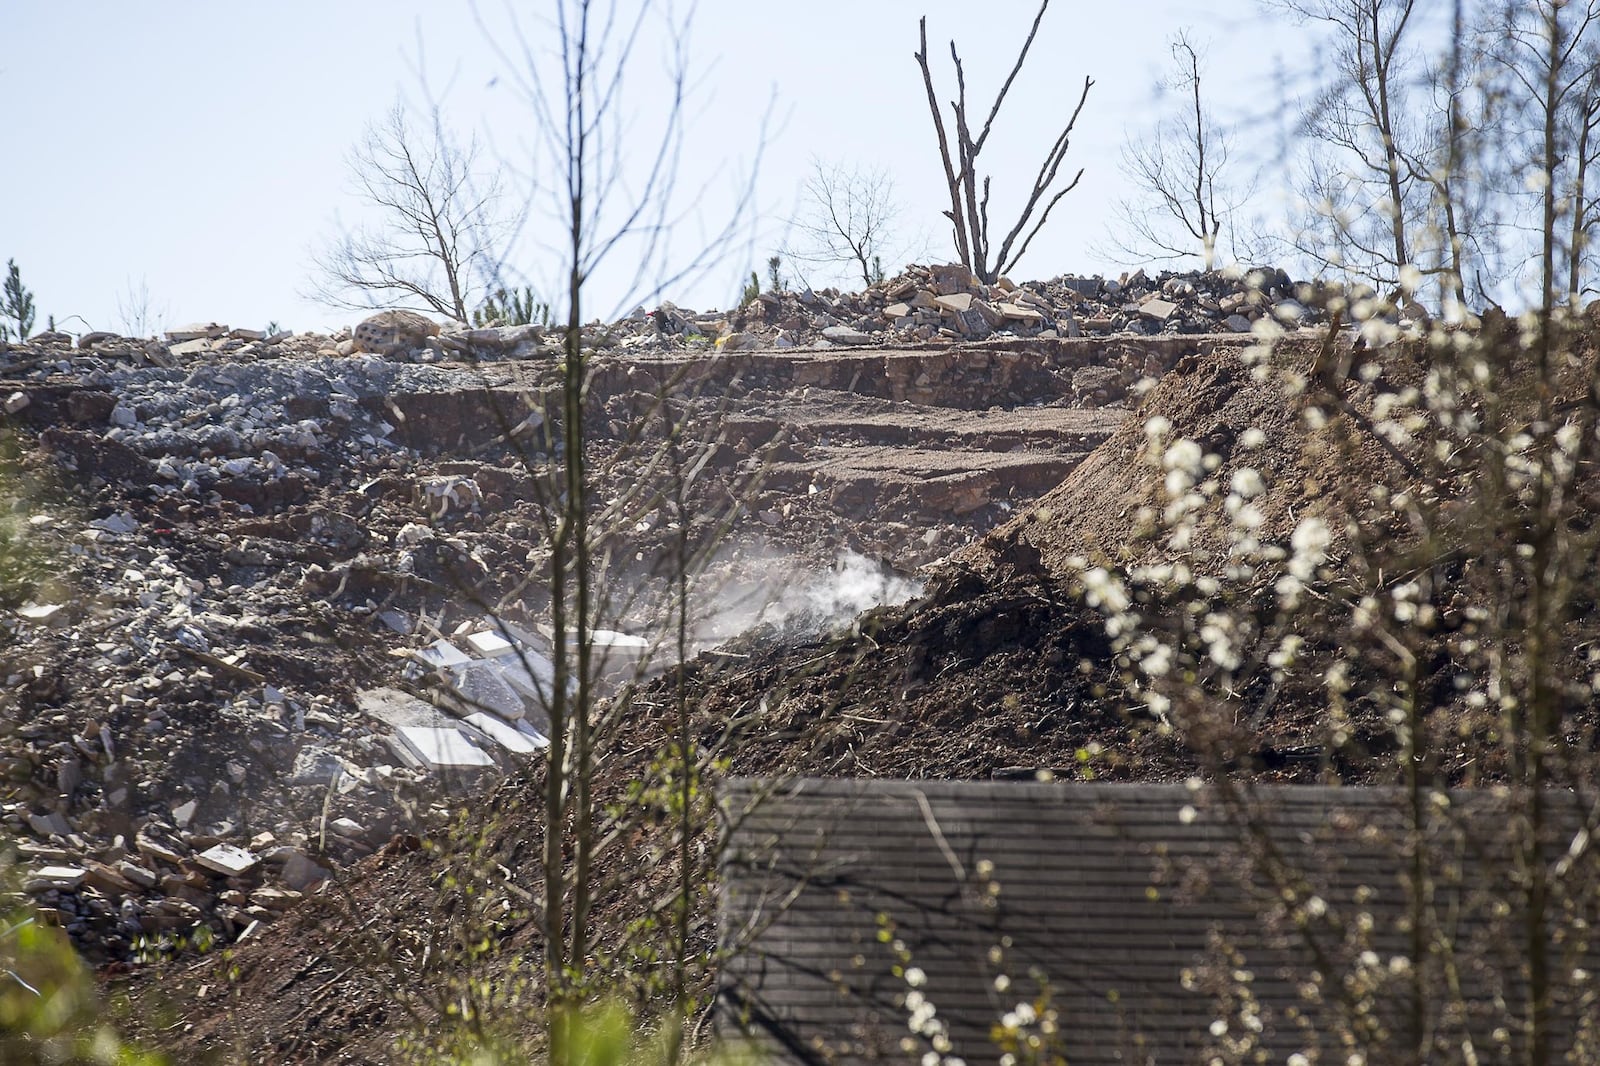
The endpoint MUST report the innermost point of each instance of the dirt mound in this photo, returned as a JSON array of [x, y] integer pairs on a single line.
[[998, 671]]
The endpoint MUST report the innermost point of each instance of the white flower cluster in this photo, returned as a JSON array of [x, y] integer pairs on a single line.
[[923, 1020], [1202, 634]]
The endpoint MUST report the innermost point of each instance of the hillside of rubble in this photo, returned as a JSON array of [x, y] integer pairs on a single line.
[[293, 604], [994, 669]]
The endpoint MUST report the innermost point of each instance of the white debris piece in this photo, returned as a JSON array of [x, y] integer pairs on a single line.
[[489, 644], [515, 740], [46, 614], [227, 860], [412, 533], [442, 749], [65, 878], [122, 523], [441, 655], [443, 493]]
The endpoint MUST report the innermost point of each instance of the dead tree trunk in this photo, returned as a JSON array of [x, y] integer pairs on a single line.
[[969, 210]]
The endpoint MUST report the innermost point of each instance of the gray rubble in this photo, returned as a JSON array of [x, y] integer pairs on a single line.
[[289, 608]]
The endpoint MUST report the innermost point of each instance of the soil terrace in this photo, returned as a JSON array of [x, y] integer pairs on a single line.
[[253, 534]]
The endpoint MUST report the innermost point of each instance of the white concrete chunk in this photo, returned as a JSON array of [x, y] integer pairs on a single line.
[[443, 749], [63, 877], [227, 860], [513, 739], [441, 654], [489, 644]]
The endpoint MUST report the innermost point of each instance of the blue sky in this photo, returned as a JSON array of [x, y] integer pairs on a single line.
[[198, 150]]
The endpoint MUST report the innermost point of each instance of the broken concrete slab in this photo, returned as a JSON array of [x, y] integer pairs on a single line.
[[195, 331], [227, 860], [442, 749], [489, 644], [300, 873], [441, 655], [1158, 309], [512, 739], [315, 765], [398, 709], [194, 347], [482, 685], [63, 878], [44, 614]]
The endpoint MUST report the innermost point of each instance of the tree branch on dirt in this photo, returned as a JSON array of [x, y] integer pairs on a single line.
[[969, 210]]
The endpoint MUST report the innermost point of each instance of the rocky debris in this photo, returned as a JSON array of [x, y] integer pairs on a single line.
[[948, 304], [275, 559], [389, 332]]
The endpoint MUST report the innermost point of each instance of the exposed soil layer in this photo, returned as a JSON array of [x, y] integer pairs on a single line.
[[925, 460]]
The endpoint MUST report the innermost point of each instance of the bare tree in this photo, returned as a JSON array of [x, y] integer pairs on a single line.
[[613, 197], [969, 208], [1376, 163], [1547, 52], [137, 314], [1176, 172], [1585, 202], [439, 225], [848, 216]]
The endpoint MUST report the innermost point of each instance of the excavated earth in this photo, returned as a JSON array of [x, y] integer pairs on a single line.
[[246, 545], [236, 544]]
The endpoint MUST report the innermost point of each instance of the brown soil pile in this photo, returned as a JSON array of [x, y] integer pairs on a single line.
[[999, 670]]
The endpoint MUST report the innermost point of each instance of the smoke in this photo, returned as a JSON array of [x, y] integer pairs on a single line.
[[855, 585], [801, 601]]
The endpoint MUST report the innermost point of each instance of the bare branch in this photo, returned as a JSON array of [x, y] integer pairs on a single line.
[[969, 209]]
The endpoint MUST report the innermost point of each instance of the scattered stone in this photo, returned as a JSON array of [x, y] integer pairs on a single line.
[[136, 874], [845, 335], [392, 332], [47, 825], [227, 860]]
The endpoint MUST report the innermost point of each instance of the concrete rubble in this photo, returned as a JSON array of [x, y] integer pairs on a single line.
[[292, 591]]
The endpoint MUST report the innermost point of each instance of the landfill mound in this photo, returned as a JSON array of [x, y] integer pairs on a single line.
[[293, 600], [993, 672]]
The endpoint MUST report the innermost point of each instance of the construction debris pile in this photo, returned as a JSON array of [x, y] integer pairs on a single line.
[[295, 603], [947, 303]]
